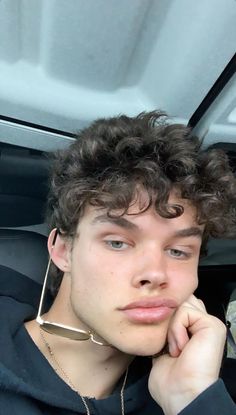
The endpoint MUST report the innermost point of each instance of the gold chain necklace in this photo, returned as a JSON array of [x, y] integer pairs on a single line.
[[70, 383]]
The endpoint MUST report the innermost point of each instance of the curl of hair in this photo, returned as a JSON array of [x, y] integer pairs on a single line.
[[113, 158]]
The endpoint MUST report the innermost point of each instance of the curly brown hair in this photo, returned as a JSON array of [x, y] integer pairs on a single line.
[[113, 157]]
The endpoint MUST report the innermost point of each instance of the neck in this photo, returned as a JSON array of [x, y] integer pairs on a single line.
[[93, 370]]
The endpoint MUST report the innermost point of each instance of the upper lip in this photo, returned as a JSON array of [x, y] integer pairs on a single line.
[[151, 302]]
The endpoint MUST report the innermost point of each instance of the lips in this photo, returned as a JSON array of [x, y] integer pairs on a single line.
[[150, 310], [152, 302]]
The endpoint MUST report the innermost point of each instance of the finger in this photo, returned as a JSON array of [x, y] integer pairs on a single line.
[[178, 334], [195, 303], [187, 320], [178, 337]]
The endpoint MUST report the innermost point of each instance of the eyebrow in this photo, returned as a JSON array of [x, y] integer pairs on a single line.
[[188, 232], [119, 221], [126, 224]]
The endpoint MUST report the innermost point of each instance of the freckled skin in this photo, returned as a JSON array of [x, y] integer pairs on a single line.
[[104, 276]]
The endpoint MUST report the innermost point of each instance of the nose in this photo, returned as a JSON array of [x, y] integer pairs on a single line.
[[151, 270]]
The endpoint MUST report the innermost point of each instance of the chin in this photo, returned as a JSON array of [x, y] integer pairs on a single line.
[[142, 348], [138, 340], [145, 351]]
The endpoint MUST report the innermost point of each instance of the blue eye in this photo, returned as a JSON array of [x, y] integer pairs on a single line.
[[176, 253], [118, 245], [185, 254]]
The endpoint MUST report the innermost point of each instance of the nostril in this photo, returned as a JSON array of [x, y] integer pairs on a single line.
[[144, 282], [148, 282]]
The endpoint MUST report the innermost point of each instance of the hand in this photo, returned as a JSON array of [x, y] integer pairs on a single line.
[[196, 344]]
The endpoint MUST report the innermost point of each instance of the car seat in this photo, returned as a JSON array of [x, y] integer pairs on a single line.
[[25, 252]]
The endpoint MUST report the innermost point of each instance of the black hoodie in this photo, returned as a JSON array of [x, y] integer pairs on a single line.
[[29, 385]]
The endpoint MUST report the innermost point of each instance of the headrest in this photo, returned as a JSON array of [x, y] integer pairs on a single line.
[[25, 252], [24, 186]]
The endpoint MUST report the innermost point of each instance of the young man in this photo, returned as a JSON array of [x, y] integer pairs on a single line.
[[132, 203]]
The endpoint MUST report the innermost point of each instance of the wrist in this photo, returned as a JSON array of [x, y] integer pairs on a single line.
[[180, 400]]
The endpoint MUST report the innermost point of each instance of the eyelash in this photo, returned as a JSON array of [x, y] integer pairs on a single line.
[[183, 254], [110, 242], [122, 246]]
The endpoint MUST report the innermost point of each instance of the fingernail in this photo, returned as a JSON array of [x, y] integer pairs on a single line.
[[173, 349]]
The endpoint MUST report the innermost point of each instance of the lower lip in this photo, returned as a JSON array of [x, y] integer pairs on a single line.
[[148, 315]]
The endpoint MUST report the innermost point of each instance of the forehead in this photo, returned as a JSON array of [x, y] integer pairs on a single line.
[[136, 215]]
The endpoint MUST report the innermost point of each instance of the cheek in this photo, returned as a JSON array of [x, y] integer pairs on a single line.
[[94, 278], [190, 283], [194, 282], [185, 282]]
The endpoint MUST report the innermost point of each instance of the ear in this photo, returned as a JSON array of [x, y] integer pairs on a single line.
[[59, 249]]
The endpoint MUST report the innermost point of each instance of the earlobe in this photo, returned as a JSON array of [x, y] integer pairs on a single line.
[[59, 250]]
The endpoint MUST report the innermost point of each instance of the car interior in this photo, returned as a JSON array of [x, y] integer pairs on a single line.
[[65, 63]]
